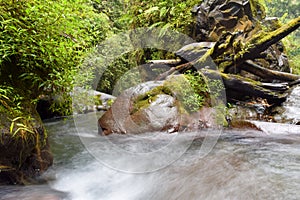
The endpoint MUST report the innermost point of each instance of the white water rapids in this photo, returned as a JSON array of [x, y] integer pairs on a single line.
[[242, 165]]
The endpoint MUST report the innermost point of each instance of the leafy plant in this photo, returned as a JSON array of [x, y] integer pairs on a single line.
[[285, 11], [43, 42], [19, 127], [190, 90]]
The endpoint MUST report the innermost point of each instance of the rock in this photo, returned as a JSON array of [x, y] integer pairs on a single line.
[[85, 101], [31, 192], [151, 113], [256, 109], [276, 128], [24, 152], [150, 107], [193, 51], [243, 124], [214, 19]]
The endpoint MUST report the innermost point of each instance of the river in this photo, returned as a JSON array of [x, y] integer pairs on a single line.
[[245, 164]]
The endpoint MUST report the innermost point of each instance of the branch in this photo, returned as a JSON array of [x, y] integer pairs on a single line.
[[257, 70], [260, 43], [241, 87], [165, 62]]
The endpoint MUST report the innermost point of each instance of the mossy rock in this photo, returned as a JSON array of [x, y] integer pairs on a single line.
[[24, 149], [158, 106]]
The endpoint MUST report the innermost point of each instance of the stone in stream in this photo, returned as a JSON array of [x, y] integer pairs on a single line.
[[150, 107]]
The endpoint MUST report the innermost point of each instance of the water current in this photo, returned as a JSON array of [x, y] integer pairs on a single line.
[[243, 164]]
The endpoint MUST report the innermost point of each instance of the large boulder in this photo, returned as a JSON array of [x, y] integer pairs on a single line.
[[141, 109], [154, 106]]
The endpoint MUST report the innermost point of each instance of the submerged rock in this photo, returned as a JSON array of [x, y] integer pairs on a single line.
[[276, 128]]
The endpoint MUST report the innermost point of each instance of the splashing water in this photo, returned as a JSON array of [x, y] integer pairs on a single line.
[[242, 165]]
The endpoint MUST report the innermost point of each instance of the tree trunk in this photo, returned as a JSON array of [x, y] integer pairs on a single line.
[[260, 43], [257, 70], [238, 87]]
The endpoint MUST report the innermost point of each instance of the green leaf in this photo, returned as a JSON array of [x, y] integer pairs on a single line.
[[163, 12], [151, 10]]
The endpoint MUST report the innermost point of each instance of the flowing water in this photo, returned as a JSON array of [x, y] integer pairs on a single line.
[[242, 165]]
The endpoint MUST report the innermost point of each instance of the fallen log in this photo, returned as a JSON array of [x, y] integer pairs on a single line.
[[179, 68], [276, 86], [248, 66], [238, 87], [240, 59], [258, 44], [264, 73], [294, 83], [165, 62]]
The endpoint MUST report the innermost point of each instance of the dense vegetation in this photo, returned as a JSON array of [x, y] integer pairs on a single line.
[[286, 10], [44, 42]]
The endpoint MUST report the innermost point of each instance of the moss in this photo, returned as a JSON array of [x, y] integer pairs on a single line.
[[110, 102], [223, 65], [144, 100], [258, 8], [264, 37], [97, 100], [205, 58], [221, 112], [190, 90]]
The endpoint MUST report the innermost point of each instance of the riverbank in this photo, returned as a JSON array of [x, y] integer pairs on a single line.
[[25, 151]]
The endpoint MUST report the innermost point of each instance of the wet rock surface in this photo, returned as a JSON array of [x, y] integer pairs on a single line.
[[31, 193], [158, 114], [139, 110]]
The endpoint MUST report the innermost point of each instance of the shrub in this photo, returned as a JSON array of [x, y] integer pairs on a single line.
[[42, 42]]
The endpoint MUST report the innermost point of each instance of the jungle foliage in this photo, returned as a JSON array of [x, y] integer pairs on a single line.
[[44, 42], [128, 15], [286, 10]]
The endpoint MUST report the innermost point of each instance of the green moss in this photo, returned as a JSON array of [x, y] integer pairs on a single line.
[[205, 58], [190, 90], [110, 102], [264, 37], [97, 100], [144, 100], [220, 114], [258, 8], [224, 64]]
